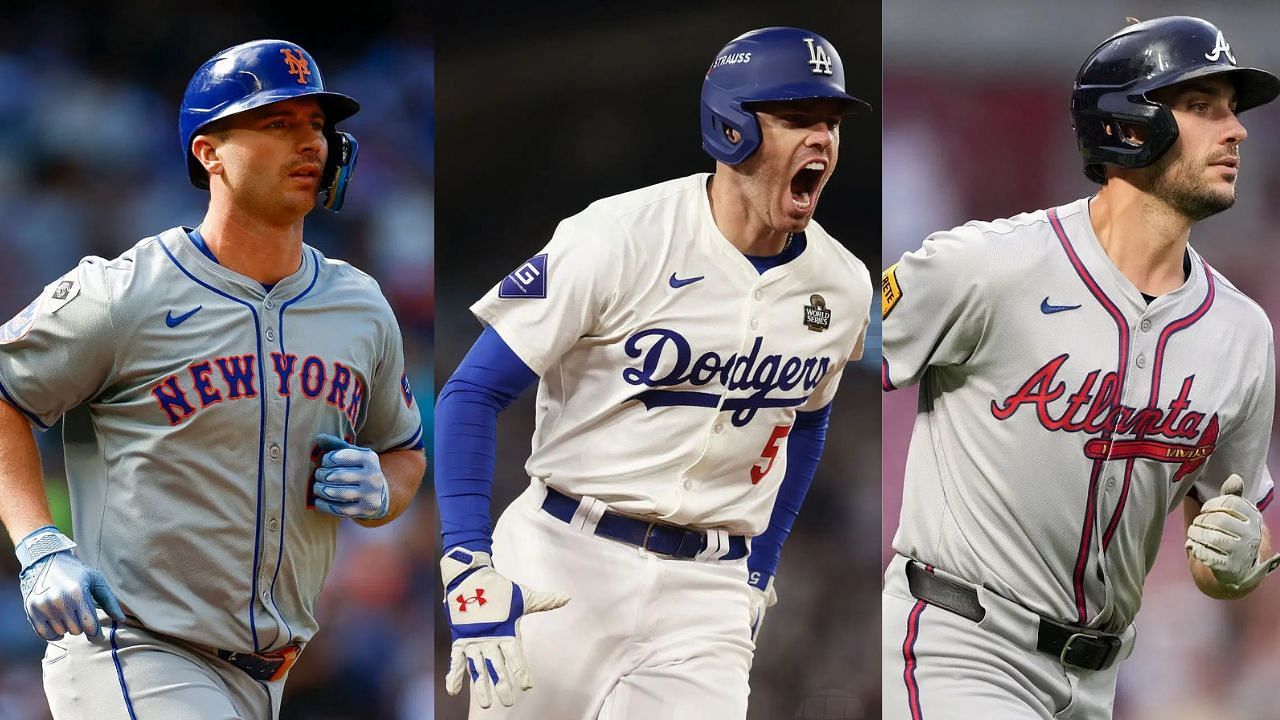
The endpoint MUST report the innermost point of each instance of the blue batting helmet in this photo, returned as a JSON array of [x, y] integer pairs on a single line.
[[1114, 83], [257, 73], [776, 63]]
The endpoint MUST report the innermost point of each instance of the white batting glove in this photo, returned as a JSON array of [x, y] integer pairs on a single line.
[[58, 591], [1226, 535], [349, 482], [761, 600], [484, 610]]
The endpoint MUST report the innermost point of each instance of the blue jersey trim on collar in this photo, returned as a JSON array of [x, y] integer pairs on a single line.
[[789, 253], [198, 240]]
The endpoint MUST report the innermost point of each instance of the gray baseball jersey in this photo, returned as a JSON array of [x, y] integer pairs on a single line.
[[192, 397], [1061, 416], [671, 369]]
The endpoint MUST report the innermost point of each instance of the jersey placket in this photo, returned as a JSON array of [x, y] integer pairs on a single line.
[[753, 311], [274, 435]]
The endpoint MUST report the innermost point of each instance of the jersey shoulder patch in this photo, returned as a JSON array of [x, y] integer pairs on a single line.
[[20, 325], [890, 290], [529, 281]]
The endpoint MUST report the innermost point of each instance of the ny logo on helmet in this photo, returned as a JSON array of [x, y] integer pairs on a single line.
[[818, 58], [297, 65], [1220, 46]]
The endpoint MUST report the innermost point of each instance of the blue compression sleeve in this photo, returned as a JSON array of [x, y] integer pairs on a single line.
[[489, 378], [804, 449]]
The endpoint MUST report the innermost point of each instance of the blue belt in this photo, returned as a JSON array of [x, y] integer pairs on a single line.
[[656, 537]]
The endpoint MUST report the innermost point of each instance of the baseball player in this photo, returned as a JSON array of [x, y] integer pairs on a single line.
[[1083, 373], [228, 396], [687, 339]]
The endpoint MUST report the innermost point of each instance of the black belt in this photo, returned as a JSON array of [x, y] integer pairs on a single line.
[[671, 540], [1073, 645], [264, 667]]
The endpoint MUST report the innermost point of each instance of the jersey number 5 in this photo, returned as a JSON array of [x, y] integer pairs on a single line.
[[770, 453]]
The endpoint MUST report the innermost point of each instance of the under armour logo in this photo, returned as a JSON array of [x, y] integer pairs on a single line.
[[464, 601], [821, 62], [1220, 46], [297, 65]]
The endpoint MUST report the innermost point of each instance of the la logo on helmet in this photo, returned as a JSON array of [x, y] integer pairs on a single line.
[[821, 62], [1220, 46]]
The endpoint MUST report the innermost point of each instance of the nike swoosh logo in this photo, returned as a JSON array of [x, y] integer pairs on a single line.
[[172, 321], [1048, 309], [678, 283]]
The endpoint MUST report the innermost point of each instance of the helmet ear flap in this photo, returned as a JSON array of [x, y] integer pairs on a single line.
[[338, 169]]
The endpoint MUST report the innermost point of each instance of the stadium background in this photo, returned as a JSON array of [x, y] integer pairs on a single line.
[[546, 109], [977, 127], [90, 163]]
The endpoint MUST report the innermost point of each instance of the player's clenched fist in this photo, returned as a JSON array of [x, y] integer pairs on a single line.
[[58, 590], [484, 610], [1225, 537], [349, 482]]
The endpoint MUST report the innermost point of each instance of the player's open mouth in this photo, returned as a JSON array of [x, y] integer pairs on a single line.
[[804, 184]]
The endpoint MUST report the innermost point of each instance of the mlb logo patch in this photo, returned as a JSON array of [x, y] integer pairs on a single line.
[[528, 281], [406, 391]]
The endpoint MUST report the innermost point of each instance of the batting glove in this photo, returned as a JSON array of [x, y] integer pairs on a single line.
[[484, 610], [1226, 535], [349, 482], [58, 591], [762, 598]]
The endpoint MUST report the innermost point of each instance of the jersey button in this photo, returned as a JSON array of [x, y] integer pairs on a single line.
[[688, 484], [1141, 361], [273, 525], [1111, 483], [271, 335], [754, 323], [1146, 326], [759, 295], [268, 304], [274, 451], [719, 428]]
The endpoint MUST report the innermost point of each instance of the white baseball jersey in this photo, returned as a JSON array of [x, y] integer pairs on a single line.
[[192, 398], [671, 370], [1061, 417]]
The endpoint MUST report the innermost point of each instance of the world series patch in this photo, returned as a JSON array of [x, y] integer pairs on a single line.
[[20, 325], [528, 281], [890, 291], [816, 315]]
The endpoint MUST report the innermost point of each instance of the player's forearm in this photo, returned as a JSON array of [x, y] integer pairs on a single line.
[[404, 470], [23, 503]]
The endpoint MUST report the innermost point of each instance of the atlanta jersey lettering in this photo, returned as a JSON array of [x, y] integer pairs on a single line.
[[191, 400], [671, 370], [1062, 417]]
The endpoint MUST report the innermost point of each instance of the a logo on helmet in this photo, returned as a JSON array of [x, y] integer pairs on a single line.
[[297, 65], [1220, 46], [818, 58]]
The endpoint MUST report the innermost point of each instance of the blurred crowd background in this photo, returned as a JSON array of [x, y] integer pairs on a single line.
[[544, 109], [977, 127], [90, 163]]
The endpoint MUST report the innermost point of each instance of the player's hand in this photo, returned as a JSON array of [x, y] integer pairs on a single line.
[[762, 598], [349, 482], [1226, 535], [484, 610], [60, 592]]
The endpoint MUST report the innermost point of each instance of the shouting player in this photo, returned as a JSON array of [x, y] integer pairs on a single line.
[[1083, 373], [687, 339], [228, 395]]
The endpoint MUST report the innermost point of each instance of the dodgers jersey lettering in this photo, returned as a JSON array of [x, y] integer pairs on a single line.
[[666, 397], [192, 398], [1061, 417]]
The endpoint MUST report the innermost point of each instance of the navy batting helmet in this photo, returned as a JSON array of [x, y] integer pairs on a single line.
[[257, 73], [1112, 88], [776, 63]]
